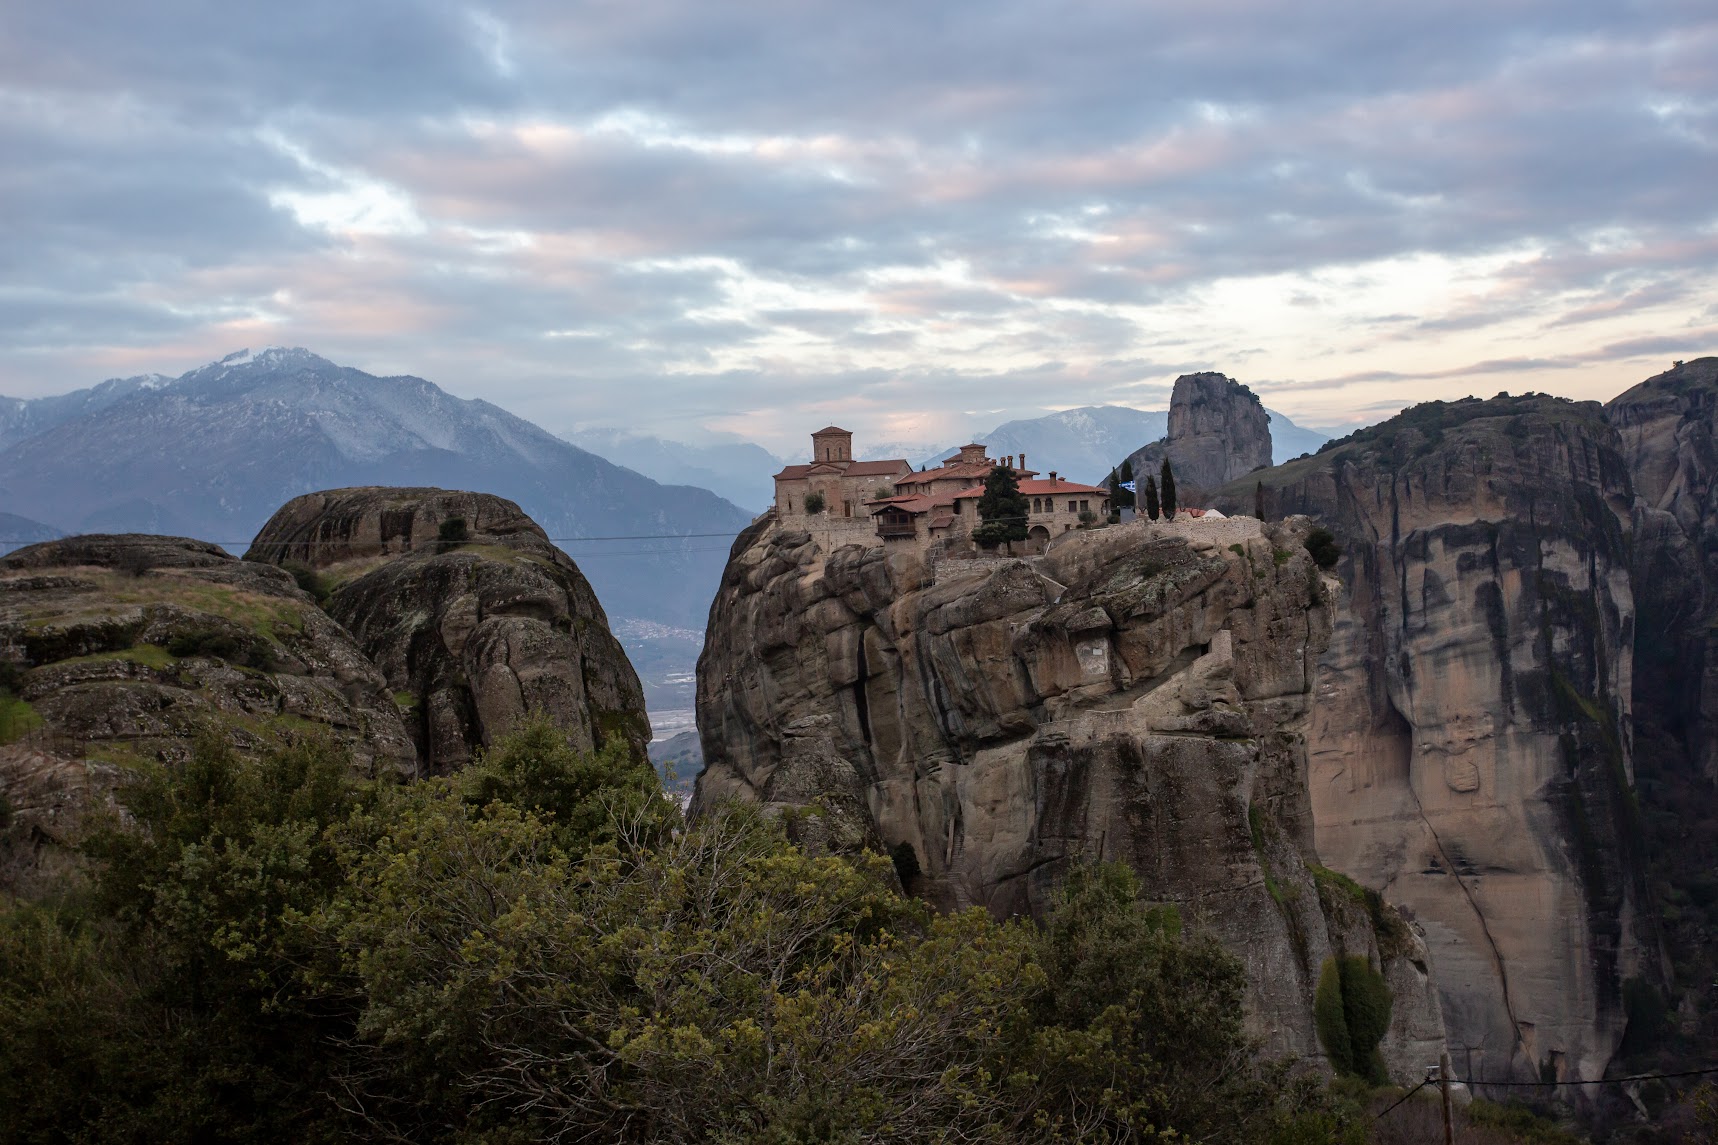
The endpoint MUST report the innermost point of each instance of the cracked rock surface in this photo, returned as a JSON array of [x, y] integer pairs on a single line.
[[1138, 694], [470, 634], [1470, 734]]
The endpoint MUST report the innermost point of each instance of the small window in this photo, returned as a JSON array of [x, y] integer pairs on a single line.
[[1085, 506], [1073, 506]]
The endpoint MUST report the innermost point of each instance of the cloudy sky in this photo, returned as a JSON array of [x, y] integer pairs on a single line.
[[758, 216]]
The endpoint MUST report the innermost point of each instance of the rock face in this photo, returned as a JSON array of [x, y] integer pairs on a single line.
[[1669, 431], [1668, 426], [1471, 753], [116, 650], [1138, 694], [472, 631], [1218, 431]]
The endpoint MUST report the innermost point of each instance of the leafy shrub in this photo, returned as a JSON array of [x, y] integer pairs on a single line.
[[814, 503], [1351, 1009], [1322, 546], [542, 949], [452, 534], [217, 643]]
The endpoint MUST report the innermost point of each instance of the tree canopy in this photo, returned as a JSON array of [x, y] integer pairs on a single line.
[[543, 948], [1003, 509]]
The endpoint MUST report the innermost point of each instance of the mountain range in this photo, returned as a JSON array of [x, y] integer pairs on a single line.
[[212, 453], [739, 471]]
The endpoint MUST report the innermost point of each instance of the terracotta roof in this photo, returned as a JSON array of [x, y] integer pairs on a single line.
[[889, 468], [895, 467], [1041, 488], [830, 429], [956, 471], [920, 503], [941, 522]]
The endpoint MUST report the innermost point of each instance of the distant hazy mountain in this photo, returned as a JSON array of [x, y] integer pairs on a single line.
[[1289, 441], [738, 471], [16, 532], [26, 417], [213, 453], [1086, 443]]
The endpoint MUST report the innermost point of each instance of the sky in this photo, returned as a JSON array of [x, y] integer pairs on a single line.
[[756, 217]]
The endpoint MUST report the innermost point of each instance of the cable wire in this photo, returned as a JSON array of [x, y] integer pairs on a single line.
[[1599, 1080], [1403, 1098]]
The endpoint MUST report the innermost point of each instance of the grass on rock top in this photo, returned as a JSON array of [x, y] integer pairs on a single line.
[[112, 592]]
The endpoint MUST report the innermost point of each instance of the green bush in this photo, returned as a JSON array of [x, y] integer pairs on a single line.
[[1351, 1009], [1322, 546], [452, 534], [249, 651], [541, 948], [814, 503]]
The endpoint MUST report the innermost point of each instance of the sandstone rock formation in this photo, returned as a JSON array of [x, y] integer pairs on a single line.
[[1137, 694], [471, 630], [1668, 426], [1471, 752], [1218, 431], [115, 650], [1669, 430]]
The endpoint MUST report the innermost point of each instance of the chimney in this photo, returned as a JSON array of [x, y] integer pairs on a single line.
[[1052, 476], [1022, 462]]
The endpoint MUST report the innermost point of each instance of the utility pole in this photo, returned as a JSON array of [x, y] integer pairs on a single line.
[[1444, 1086]]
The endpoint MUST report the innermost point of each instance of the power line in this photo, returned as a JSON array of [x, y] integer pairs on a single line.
[[1555, 1084], [153, 538], [1601, 1080], [1403, 1098]]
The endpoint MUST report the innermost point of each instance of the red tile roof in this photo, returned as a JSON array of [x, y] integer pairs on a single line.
[[1057, 488], [830, 429], [916, 504], [959, 471], [895, 467]]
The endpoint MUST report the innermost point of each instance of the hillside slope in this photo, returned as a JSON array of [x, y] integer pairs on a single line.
[[212, 453]]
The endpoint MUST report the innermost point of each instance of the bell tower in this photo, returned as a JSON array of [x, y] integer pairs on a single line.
[[831, 443]]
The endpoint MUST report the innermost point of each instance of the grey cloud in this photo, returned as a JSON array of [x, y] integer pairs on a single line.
[[1265, 139]]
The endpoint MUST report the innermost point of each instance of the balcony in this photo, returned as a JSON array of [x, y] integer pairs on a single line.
[[888, 529]]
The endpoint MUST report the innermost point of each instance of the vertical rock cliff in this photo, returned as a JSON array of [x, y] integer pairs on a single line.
[[1471, 752], [473, 626], [1668, 427], [1669, 431], [1218, 431], [1139, 693]]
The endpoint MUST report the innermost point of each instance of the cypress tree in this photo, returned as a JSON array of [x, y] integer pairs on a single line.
[[1002, 510], [1124, 498], [1166, 491], [1151, 497]]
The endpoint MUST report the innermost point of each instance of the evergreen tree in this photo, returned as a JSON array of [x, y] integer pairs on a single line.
[[1166, 491], [1002, 510], [1151, 497], [1121, 498]]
